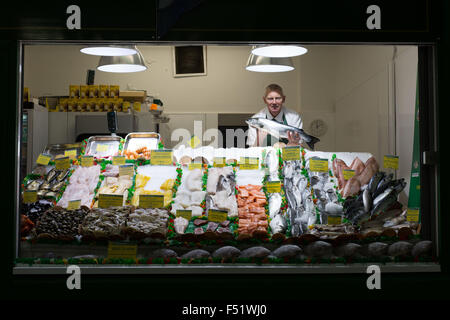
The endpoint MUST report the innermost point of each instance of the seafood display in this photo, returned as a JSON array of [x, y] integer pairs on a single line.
[[58, 223], [154, 180], [82, 184], [379, 195], [220, 187], [105, 223], [142, 223], [50, 185], [140, 153], [253, 221], [301, 210], [190, 195], [114, 184]]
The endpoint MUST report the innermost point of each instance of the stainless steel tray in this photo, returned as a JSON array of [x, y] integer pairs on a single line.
[[58, 150], [102, 146], [136, 140]]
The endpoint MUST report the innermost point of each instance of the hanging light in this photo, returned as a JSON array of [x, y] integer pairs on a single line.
[[278, 51], [268, 64], [122, 64], [109, 50]]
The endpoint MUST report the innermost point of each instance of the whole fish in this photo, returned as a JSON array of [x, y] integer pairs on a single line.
[[375, 180], [271, 162], [278, 224], [367, 200], [280, 130], [382, 185], [275, 201], [383, 205]]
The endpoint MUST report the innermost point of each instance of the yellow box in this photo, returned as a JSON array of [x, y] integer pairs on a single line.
[[26, 94], [114, 91], [103, 91], [93, 91], [74, 91], [84, 91]]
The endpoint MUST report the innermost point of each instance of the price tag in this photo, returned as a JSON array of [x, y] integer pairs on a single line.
[[390, 162], [194, 142], [125, 105], [187, 214], [219, 162], [72, 154], [273, 186], [74, 205], [412, 215], [126, 170], [43, 159], [318, 165], [161, 157], [87, 161], [29, 196], [348, 173], [151, 201], [290, 153], [102, 147], [118, 250], [62, 163], [195, 165], [118, 160], [334, 220], [246, 163], [110, 200], [217, 215]]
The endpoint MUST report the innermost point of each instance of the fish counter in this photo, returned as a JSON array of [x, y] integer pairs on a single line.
[[215, 206]]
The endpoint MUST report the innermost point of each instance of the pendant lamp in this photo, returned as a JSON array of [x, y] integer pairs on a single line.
[[278, 51], [268, 64], [122, 64]]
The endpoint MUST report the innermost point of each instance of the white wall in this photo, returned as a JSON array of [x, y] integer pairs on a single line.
[[227, 87]]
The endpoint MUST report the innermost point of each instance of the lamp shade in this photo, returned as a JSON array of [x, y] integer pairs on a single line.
[[122, 64], [279, 51], [268, 64], [109, 50]]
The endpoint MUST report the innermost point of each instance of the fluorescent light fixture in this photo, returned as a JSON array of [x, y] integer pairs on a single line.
[[109, 51], [279, 51], [268, 64], [122, 64]]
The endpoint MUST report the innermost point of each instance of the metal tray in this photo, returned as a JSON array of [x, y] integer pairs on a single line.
[[136, 140], [58, 150], [110, 143]]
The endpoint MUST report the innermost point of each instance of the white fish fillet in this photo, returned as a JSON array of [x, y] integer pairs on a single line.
[[180, 224]]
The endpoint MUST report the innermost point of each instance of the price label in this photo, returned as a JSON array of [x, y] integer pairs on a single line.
[[101, 147], [318, 165], [412, 215], [74, 205], [87, 161], [187, 214], [110, 200], [334, 219], [246, 163], [348, 173], [273, 186], [72, 154], [390, 162], [151, 201], [29, 196], [195, 165], [62, 163], [219, 162], [118, 160], [194, 142], [125, 105], [43, 159], [126, 170], [118, 250], [217, 215], [290, 153], [161, 157]]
